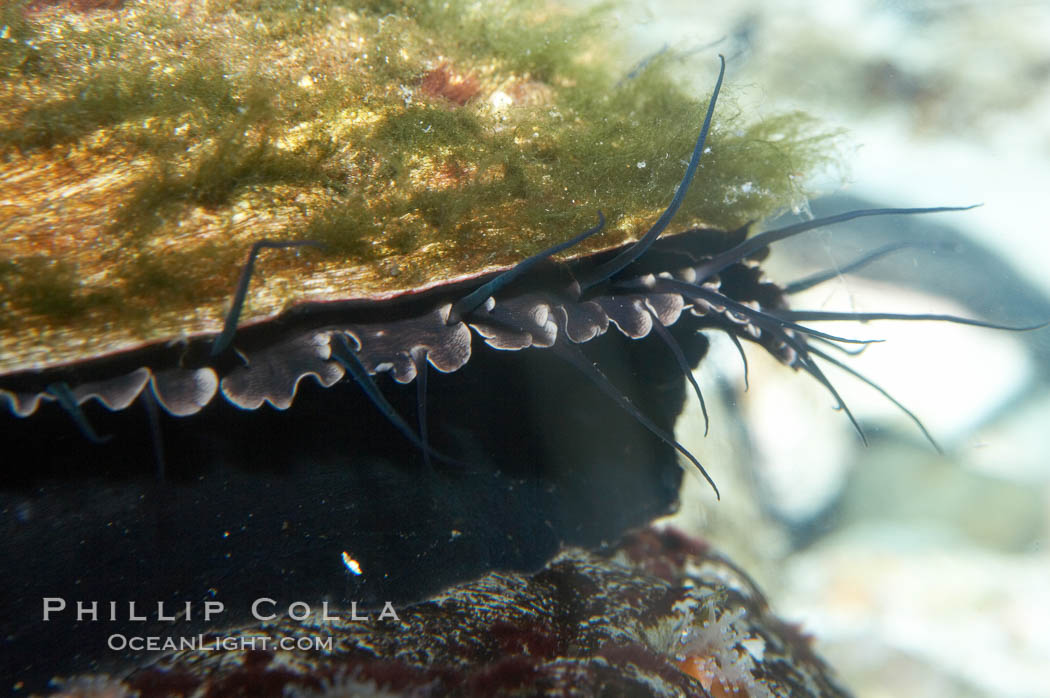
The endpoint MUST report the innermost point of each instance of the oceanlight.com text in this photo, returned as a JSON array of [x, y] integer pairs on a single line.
[[212, 643]]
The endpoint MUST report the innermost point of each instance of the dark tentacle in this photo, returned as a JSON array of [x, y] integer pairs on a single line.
[[858, 375], [641, 65], [229, 328], [777, 329], [66, 400], [677, 54], [809, 282], [663, 334], [752, 245], [606, 271], [344, 354], [473, 300], [822, 315], [743, 357], [812, 369], [156, 437], [694, 291], [845, 350], [574, 356], [419, 358]]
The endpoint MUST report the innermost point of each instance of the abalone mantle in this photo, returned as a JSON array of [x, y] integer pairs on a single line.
[[386, 337], [145, 148]]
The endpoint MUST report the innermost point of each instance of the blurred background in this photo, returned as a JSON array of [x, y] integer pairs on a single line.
[[920, 573]]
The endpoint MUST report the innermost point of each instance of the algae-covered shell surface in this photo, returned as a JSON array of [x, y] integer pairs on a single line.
[[147, 146]]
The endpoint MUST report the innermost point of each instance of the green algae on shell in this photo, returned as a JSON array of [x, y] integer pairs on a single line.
[[145, 148]]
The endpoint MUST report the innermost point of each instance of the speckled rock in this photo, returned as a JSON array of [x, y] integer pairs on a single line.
[[660, 614]]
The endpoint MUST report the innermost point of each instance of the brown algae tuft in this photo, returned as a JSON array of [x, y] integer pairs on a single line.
[[146, 147]]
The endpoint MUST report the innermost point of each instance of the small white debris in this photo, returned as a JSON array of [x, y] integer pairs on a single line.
[[351, 564], [641, 164], [500, 100]]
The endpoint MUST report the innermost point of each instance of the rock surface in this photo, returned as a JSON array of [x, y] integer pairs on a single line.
[[660, 614]]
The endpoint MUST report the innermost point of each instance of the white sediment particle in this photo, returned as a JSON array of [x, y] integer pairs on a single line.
[[352, 565], [500, 100]]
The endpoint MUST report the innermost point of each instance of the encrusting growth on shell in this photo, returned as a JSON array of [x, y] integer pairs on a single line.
[[147, 146]]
